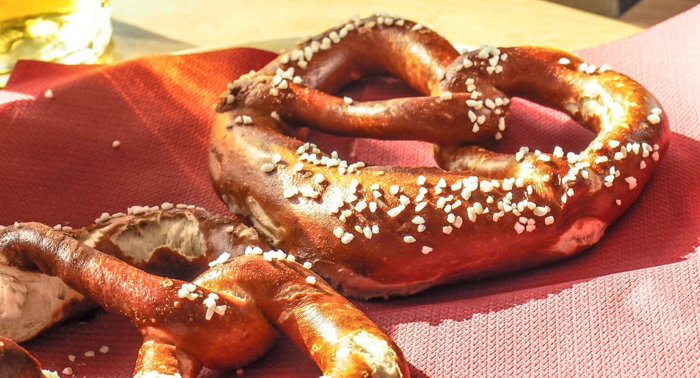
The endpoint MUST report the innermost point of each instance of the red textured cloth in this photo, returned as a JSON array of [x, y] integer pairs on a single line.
[[630, 306]]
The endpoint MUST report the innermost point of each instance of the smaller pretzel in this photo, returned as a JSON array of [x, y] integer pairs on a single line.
[[223, 319]]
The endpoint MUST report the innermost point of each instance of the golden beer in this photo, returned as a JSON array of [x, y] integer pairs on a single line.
[[63, 31]]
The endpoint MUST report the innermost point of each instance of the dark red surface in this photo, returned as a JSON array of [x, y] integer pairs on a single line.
[[630, 306]]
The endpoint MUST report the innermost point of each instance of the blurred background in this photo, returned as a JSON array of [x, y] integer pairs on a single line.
[[80, 31], [177, 24]]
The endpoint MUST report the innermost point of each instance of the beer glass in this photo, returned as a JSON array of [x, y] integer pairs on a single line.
[[63, 31]]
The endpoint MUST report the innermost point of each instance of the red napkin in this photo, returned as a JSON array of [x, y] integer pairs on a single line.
[[630, 306]]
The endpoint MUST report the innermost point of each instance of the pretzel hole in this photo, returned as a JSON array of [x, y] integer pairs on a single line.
[[539, 127], [377, 88], [529, 124]]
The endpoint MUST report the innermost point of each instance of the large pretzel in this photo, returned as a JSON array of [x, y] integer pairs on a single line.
[[224, 318], [378, 231]]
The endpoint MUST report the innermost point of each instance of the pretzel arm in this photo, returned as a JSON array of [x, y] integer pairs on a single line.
[[329, 61], [157, 306], [397, 119], [339, 338]]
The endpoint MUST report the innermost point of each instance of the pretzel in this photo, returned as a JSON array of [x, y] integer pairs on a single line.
[[176, 243], [226, 317], [16, 362], [379, 231]]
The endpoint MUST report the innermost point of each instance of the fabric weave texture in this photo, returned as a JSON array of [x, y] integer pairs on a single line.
[[628, 307]]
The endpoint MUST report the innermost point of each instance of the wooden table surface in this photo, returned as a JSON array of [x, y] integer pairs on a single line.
[[161, 26]]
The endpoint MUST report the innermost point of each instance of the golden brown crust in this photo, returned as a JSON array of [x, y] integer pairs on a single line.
[[154, 304], [225, 317], [312, 314], [378, 231], [16, 362]]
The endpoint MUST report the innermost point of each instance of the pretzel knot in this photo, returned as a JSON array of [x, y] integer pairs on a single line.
[[379, 231]]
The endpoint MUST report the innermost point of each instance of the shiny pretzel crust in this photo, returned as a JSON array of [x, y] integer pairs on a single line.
[[226, 318], [381, 231]]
